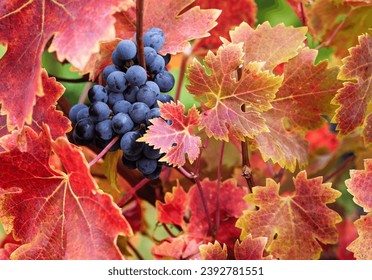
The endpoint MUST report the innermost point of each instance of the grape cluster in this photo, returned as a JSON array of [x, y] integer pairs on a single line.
[[126, 103]]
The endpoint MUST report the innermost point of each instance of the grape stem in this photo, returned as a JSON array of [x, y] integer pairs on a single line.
[[185, 58], [130, 194], [339, 168], [333, 35], [83, 79], [218, 203], [104, 151], [138, 255], [139, 33]]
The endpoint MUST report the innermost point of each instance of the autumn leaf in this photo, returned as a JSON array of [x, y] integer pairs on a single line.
[[177, 248], [356, 96], [176, 139], [45, 111], [361, 247], [323, 17], [230, 17], [223, 95], [56, 210], [271, 45], [7, 251], [75, 29], [229, 212], [214, 251], [174, 208], [347, 233], [360, 185], [294, 111], [294, 224], [251, 249], [172, 18]]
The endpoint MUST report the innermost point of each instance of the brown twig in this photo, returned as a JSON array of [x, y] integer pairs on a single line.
[[333, 35], [104, 151], [219, 175], [339, 168], [139, 33]]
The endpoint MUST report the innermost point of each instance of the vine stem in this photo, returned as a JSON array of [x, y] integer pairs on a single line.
[[185, 58], [104, 151], [333, 35], [139, 33], [219, 174], [339, 168], [138, 255], [246, 166], [168, 230], [130, 194], [204, 203]]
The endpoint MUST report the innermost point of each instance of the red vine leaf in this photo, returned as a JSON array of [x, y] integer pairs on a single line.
[[251, 249], [303, 83], [322, 138], [174, 208], [337, 25], [178, 248], [214, 251], [362, 246], [294, 112], [355, 97], [285, 147], [177, 139], [76, 28], [293, 224], [179, 25], [360, 185], [58, 214], [230, 17], [266, 43], [229, 212], [45, 108], [7, 250], [223, 95]]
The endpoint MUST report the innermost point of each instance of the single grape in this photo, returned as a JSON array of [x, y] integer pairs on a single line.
[[154, 38], [133, 157], [129, 145], [116, 81], [104, 130], [150, 55], [147, 95], [126, 50], [129, 163], [165, 98], [99, 111], [165, 81], [116, 60], [82, 114], [97, 93], [84, 129], [157, 65], [72, 114], [122, 123], [153, 113], [138, 112], [130, 94], [147, 166], [121, 106], [108, 70], [166, 58], [154, 175], [136, 75], [114, 98], [150, 152], [78, 140]]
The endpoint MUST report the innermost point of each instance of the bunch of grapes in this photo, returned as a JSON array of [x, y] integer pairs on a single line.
[[127, 103]]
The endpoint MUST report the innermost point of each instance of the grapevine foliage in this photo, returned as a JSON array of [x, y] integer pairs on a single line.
[[254, 168]]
